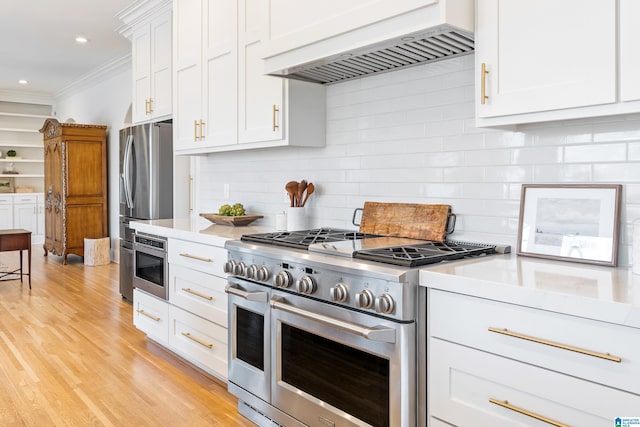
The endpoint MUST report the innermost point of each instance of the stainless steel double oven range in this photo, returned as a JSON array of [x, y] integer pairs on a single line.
[[322, 326]]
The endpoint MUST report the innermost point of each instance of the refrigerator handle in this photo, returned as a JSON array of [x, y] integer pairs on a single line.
[[126, 172]]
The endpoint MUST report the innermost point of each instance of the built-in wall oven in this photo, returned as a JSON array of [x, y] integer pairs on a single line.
[[150, 266]]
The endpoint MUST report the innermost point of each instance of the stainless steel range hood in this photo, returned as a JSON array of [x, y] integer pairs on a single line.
[[440, 31]]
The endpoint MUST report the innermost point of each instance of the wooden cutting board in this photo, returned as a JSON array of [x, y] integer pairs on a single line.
[[416, 221]]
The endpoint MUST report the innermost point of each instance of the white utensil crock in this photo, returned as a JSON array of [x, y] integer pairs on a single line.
[[296, 219]]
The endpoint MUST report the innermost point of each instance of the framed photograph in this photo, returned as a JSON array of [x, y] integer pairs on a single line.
[[578, 223]]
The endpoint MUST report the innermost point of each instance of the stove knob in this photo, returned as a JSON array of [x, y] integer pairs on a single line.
[[239, 269], [252, 272], [384, 304], [283, 279], [339, 293], [364, 299], [306, 285], [263, 274], [229, 266]]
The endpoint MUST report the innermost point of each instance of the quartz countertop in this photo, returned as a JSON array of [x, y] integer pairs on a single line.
[[197, 230], [596, 292]]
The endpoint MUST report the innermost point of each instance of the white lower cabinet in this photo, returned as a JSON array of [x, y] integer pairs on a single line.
[[151, 316], [493, 363], [195, 321], [200, 341], [23, 210]]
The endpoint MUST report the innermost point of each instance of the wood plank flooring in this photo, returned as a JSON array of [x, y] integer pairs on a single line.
[[70, 356]]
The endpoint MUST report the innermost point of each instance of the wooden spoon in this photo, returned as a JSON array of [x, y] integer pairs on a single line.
[[301, 187], [292, 189], [310, 189]]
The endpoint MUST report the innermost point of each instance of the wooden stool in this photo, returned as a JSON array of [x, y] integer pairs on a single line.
[[96, 251], [17, 240]]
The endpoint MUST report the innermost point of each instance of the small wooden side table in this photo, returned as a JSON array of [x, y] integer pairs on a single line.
[[17, 240]]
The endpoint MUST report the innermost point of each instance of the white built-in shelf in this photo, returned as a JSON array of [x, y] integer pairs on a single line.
[[19, 130], [21, 175], [10, 160], [20, 145], [34, 116]]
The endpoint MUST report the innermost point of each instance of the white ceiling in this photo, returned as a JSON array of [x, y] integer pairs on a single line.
[[37, 41]]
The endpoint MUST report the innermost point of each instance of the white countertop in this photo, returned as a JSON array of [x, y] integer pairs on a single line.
[[601, 293], [197, 230]]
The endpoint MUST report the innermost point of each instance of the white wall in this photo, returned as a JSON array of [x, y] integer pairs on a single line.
[[409, 136], [105, 101]]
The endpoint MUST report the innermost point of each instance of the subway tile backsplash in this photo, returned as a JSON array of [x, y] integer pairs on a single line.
[[409, 136]]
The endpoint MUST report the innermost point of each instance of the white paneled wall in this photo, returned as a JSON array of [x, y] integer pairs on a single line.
[[409, 136]]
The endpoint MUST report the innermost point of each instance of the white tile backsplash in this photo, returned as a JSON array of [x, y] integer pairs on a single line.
[[409, 136]]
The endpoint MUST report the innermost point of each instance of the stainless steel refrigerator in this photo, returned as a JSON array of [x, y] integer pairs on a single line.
[[146, 186]]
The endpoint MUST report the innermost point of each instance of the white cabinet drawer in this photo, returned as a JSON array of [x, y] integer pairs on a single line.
[[205, 258], [151, 315], [467, 320], [200, 293], [201, 342], [463, 380], [6, 200], [25, 198]]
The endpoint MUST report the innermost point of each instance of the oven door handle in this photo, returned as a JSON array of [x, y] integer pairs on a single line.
[[260, 296], [376, 333]]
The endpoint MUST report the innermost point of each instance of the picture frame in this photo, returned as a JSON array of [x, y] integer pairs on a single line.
[[570, 222], [7, 185]]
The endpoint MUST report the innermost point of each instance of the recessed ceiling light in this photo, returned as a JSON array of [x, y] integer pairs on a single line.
[[23, 81], [81, 39]]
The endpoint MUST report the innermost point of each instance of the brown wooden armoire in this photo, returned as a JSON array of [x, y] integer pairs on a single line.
[[75, 186]]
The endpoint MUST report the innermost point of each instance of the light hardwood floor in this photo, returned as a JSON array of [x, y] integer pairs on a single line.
[[70, 356]]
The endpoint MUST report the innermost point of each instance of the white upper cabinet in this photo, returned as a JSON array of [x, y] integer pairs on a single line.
[[148, 26], [551, 60], [205, 74], [222, 99]]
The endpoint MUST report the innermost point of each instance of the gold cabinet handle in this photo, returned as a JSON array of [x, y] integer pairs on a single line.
[[507, 405], [507, 332], [195, 130], [483, 84], [202, 129], [150, 316], [150, 105], [194, 339], [275, 117], [198, 294], [196, 257], [146, 106]]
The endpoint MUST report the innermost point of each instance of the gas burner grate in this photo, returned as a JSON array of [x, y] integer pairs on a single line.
[[301, 239], [425, 253]]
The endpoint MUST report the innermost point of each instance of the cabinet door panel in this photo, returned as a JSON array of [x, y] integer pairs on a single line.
[[220, 83], [6, 213], [259, 95], [141, 60], [533, 69], [187, 106], [161, 66], [629, 52]]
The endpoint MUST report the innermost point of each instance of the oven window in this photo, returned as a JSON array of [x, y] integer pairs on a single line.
[[349, 379], [150, 268], [250, 337]]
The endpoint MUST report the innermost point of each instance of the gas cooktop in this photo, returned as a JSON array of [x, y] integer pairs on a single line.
[[303, 238], [385, 249]]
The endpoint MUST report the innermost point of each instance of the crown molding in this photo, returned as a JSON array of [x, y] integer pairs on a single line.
[[140, 12], [96, 76]]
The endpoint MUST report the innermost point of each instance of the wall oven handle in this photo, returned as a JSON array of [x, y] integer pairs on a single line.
[[377, 333], [260, 296]]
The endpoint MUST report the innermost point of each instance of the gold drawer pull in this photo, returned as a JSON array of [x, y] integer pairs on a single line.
[[198, 294], [192, 338], [150, 316], [506, 404], [195, 130], [483, 84], [605, 356], [196, 257], [275, 117]]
